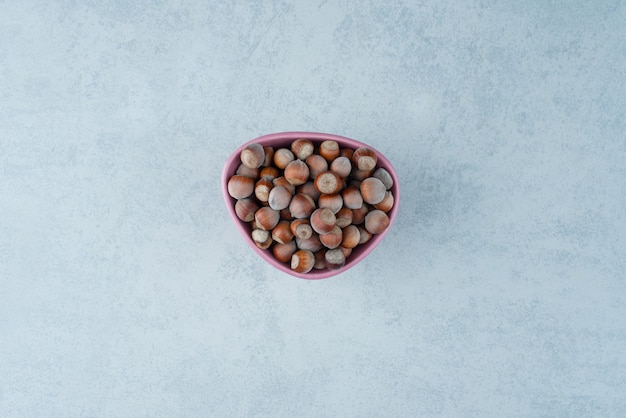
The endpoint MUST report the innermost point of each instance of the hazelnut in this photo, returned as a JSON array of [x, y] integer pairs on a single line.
[[266, 218], [282, 181], [333, 202], [296, 172], [384, 176], [317, 164], [312, 244], [245, 208], [282, 157], [376, 221], [253, 155], [333, 238], [358, 215], [341, 166], [309, 188], [240, 186], [350, 236], [261, 238], [364, 159], [364, 234], [373, 190], [279, 198], [283, 252], [344, 217], [327, 182], [387, 203], [329, 150], [301, 228], [302, 261], [270, 173], [352, 198], [302, 148], [323, 220], [262, 189], [242, 170], [320, 259], [269, 156], [282, 232], [301, 206], [335, 259]]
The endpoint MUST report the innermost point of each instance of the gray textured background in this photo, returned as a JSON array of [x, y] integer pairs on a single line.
[[500, 291]]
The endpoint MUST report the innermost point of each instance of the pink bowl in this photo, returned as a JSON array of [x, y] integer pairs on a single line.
[[284, 139]]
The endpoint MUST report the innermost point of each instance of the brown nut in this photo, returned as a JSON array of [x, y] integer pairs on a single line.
[[384, 176], [323, 220], [301, 228], [245, 209], [279, 198], [282, 157], [333, 238], [312, 244], [341, 166], [344, 217], [253, 155], [283, 252], [266, 218], [376, 221], [364, 159], [269, 172], [372, 190], [352, 198], [240, 187], [327, 182], [309, 188], [333, 202], [242, 170], [317, 164], [329, 150], [301, 206], [387, 203], [335, 259], [262, 189], [297, 172], [350, 236], [282, 232], [302, 261], [302, 148]]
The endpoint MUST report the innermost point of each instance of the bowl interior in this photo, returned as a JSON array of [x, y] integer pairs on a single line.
[[284, 139]]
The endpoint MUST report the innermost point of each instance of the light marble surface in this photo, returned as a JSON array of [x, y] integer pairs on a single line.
[[500, 291]]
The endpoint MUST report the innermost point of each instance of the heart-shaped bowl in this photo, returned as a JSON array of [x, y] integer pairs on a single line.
[[284, 140]]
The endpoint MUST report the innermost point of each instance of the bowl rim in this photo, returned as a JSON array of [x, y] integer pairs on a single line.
[[271, 139]]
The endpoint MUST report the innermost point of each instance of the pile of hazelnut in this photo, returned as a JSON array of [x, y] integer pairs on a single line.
[[311, 205]]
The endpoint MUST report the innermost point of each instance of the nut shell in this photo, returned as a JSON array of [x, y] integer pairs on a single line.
[[301, 228], [245, 209], [376, 221], [373, 190], [333, 202], [282, 232], [302, 261], [352, 198], [341, 166], [302, 148], [283, 252], [253, 155], [266, 218], [333, 238], [301, 206], [323, 220], [350, 236], [329, 150], [282, 157], [279, 198], [240, 187], [327, 182], [364, 159], [317, 164], [297, 172]]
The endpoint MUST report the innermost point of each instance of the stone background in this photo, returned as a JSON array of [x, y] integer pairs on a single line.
[[126, 291]]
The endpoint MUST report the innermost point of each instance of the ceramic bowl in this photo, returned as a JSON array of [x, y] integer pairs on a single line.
[[284, 139]]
